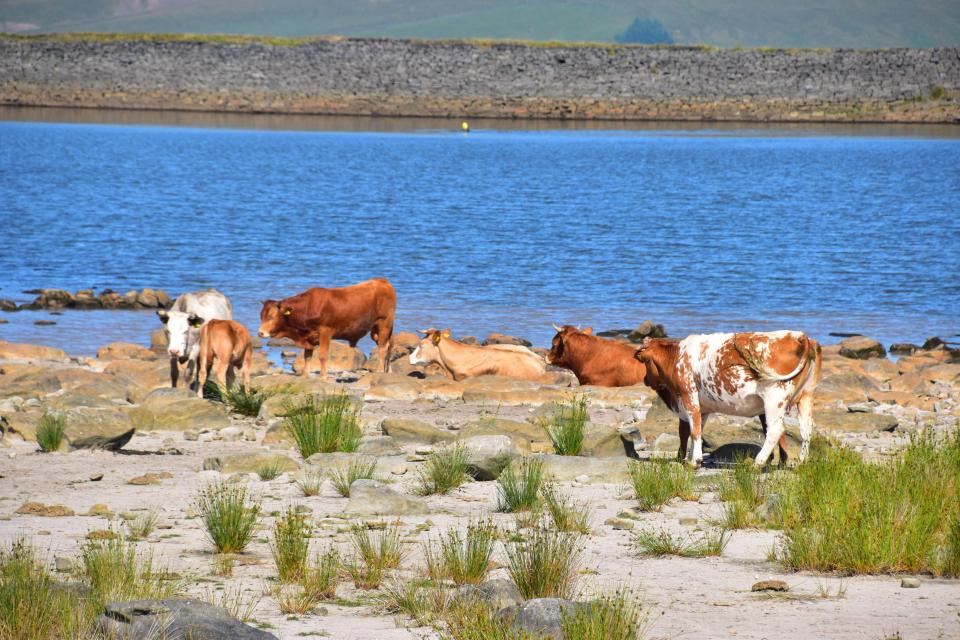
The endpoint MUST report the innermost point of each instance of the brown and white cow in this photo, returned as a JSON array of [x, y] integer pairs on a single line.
[[225, 345], [594, 360], [741, 374], [312, 318], [467, 361]]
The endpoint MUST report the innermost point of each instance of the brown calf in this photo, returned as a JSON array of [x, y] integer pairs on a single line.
[[224, 344]]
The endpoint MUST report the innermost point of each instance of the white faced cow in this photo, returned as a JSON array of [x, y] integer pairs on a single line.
[[182, 324]]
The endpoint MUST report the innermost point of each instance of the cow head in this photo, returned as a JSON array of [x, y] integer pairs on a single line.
[[558, 352], [657, 354], [429, 348], [273, 315], [181, 330]]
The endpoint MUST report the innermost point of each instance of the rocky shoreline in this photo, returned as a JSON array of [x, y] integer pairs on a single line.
[[85, 299], [384, 77]]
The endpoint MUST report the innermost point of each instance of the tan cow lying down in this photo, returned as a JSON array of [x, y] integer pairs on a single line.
[[468, 361], [226, 345], [740, 374]]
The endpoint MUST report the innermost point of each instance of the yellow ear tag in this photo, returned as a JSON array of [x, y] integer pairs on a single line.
[[287, 312]]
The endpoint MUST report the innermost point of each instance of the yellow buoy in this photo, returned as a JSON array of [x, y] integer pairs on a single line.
[[465, 126]]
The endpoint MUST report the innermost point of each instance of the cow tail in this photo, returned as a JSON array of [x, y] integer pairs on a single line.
[[768, 375]]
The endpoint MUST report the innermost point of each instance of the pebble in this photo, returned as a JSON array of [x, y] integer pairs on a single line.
[[398, 469], [97, 477], [582, 479], [62, 564], [619, 524], [910, 583], [770, 585], [688, 520], [707, 498], [423, 451], [415, 458]]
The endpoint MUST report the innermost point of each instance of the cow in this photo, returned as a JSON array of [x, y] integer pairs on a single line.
[[226, 344], [741, 374], [466, 361], [182, 324], [314, 317], [595, 360]]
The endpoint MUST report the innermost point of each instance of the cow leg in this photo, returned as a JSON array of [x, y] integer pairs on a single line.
[[223, 371], [307, 357], [202, 371], [323, 350], [684, 436], [174, 372], [774, 406], [805, 410], [782, 443], [246, 367], [383, 336]]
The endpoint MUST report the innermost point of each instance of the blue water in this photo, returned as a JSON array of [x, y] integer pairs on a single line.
[[496, 230]]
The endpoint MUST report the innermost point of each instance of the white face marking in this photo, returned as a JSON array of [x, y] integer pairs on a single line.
[[415, 356], [178, 333]]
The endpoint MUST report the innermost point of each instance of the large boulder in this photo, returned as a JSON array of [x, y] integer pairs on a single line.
[[847, 388], [98, 422], [659, 418], [500, 390], [647, 329], [853, 422], [17, 351], [178, 410], [616, 397], [405, 431], [143, 375], [499, 338], [392, 386], [569, 468], [488, 455], [125, 351], [342, 357], [527, 436], [541, 617], [373, 498], [178, 618], [404, 343], [603, 441], [497, 593], [862, 348]]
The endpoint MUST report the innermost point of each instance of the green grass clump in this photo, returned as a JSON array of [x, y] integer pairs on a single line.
[[470, 620], [373, 555], [656, 481], [566, 514], [361, 469], [325, 424], [444, 471], [424, 602], [227, 517], [291, 543], [567, 425], [742, 491], [463, 558], [840, 513], [243, 400], [317, 582], [116, 571], [662, 542], [612, 617], [51, 430], [518, 486], [270, 469], [545, 563], [142, 526], [310, 483]]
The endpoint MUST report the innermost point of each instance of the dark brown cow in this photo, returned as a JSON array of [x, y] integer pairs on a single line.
[[596, 361], [312, 318], [741, 374]]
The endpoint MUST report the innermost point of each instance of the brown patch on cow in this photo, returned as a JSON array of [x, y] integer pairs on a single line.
[[596, 361]]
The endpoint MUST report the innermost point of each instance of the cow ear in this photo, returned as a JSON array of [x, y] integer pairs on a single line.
[[286, 312], [194, 320], [163, 315], [588, 331]]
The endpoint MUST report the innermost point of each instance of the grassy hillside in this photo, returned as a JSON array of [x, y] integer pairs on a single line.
[[750, 23]]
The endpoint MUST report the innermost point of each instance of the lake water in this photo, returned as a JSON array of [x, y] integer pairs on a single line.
[[508, 228]]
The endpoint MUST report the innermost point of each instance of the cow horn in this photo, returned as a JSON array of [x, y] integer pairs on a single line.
[[423, 332], [557, 329]]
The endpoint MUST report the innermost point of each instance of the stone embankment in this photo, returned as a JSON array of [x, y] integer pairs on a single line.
[[367, 76]]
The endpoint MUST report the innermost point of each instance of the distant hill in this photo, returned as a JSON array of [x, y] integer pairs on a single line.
[[746, 23]]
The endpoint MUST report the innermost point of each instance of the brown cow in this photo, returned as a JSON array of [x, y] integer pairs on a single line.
[[596, 361], [312, 318], [225, 344], [467, 361], [741, 374]]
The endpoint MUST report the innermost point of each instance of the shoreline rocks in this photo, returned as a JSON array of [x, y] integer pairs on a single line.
[[86, 299]]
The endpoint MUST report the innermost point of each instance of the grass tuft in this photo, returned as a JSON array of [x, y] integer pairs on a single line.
[[361, 469], [239, 603], [142, 526], [545, 563], [116, 572], [270, 469], [662, 542], [291, 543], [51, 431], [373, 555], [470, 620], [567, 425], [317, 582], [243, 400], [324, 424], [656, 481], [612, 617], [518, 486], [310, 483], [567, 515], [444, 470], [463, 558], [228, 518]]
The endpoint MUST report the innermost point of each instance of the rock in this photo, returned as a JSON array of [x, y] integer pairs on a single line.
[[619, 524], [17, 351], [179, 618], [567, 468], [541, 617], [845, 421], [617, 397], [732, 452], [414, 431], [370, 498], [499, 338], [404, 343], [44, 323], [488, 455], [647, 329], [500, 390], [771, 507], [910, 583], [603, 441], [666, 444], [158, 341], [125, 351], [62, 564], [52, 299], [497, 593], [528, 436], [770, 585], [150, 478], [932, 343], [902, 348], [392, 386], [104, 443], [862, 348], [248, 463], [99, 509], [336, 461], [342, 357], [48, 511], [379, 446], [177, 410], [7, 305], [659, 419], [848, 387]]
